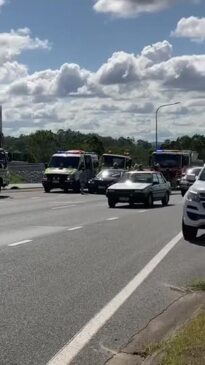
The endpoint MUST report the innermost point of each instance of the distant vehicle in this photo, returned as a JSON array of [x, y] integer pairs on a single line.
[[4, 172], [104, 179], [109, 160], [194, 208], [188, 179], [139, 187], [64, 168], [174, 163]]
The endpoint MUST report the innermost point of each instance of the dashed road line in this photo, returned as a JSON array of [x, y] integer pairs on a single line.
[[66, 355], [19, 243], [64, 206], [112, 219], [74, 228]]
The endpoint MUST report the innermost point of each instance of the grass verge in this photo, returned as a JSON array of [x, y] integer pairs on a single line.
[[198, 285], [16, 179], [188, 346]]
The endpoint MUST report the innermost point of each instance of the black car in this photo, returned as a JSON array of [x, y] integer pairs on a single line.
[[104, 179]]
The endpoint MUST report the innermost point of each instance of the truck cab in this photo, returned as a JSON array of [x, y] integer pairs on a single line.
[[63, 170]]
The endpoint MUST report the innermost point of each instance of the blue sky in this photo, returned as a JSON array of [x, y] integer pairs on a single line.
[[81, 36], [98, 65]]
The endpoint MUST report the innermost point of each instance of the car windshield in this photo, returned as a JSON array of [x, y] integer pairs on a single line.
[[64, 162], [138, 177], [202, 175], [195, 171], [109, 174], [167, 160], [110, 161]]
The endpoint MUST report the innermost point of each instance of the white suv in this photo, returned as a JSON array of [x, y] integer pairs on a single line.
[[194, 208]]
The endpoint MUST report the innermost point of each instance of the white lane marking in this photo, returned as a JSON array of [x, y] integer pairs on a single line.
[[19, 243], [66, 355], [74, 228], [64, 206], [36, 197], [60, 202], [112, 219]]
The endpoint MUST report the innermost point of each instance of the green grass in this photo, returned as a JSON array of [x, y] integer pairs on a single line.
[[188, 346], [16, 179], [198, 285]]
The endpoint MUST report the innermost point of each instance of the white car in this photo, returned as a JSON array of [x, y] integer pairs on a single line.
[[194, 208], [139, 187]]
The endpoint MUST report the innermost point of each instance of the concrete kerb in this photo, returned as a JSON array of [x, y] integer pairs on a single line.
[[160, 328], [17, 187]]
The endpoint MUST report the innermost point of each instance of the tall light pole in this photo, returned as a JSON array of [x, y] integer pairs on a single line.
[[162, 106]]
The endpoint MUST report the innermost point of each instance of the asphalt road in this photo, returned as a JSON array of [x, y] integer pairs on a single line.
[[63, 260]]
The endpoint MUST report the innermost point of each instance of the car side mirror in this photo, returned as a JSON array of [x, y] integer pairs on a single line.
[[191, 178]]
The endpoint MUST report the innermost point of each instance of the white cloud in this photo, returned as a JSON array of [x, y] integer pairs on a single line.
[[13, 43], [192, 28], [126, 8], [69, 79], [118, 99], [2, 2], [158, 52]]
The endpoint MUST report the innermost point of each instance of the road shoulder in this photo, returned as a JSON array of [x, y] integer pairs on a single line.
[[144, 348]]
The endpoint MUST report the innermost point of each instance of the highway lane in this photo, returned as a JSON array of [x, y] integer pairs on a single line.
[[53, 285]]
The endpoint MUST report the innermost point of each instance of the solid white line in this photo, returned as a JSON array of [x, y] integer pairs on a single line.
[[20, 243], [66, 355], [64, 206], [112, 219], [74, 228]]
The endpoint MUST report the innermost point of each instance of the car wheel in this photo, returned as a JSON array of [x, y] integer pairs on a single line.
[[47, 189], [189, 232], [111, 203], [76, 189], [65, 190], [90, 191], [165, 200], [149, 201], [132, 204]]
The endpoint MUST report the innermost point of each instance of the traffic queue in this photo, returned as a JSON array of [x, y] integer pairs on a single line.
[[115, 176], [77, 169]]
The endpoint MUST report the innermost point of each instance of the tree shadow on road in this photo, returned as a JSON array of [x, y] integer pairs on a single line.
[[5, 197]]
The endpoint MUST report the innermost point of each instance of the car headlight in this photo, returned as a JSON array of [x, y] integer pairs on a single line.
[[191, 196], [45, 178]]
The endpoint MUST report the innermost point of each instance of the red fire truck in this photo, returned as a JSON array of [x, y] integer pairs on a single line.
[[174, 163]]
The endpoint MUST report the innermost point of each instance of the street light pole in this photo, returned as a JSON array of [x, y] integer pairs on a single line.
[[162, 106]]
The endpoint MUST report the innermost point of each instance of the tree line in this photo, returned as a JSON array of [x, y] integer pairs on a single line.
[[39, 146]]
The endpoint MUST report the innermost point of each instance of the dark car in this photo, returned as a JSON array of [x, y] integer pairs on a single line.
[[188, 179], [104, 179], [139, 187]]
